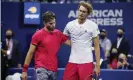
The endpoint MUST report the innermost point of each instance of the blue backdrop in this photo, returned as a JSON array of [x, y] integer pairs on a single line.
[[108, 16], [104, 75]]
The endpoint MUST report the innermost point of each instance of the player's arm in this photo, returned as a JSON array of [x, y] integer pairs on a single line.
[[97, 54], [30, 54], [67, 34], [36, 38], [97, 50], [66, 37], [27, 61], [68, 42]]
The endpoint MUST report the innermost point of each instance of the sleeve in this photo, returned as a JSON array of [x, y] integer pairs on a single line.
[[108, 45], [64, 38], [36, 38], [95, 31], [66, 31]]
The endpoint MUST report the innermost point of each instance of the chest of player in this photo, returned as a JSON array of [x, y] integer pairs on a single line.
[[81, 32], [51, 40]]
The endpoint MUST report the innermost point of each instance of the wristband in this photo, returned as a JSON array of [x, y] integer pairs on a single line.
[[25, 68]]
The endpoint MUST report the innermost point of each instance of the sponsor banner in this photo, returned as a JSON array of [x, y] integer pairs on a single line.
[[31, 13], [103, 14]]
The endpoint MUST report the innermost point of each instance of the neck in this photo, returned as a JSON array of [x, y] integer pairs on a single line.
[[47, 29], [8, 39], [105, 38], [120, 37], [81, 21]]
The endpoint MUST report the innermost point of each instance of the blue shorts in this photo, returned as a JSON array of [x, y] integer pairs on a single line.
[[44, 74]]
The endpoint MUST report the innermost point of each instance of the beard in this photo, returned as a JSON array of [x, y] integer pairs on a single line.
[[50, 28]]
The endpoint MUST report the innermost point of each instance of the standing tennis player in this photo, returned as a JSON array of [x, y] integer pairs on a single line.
[[45, 44], [82, 32]]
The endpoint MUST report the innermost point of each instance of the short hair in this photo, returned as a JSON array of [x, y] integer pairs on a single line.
[[48, 16], [8, 29], [87, 5], [121, 55], [122, 28]]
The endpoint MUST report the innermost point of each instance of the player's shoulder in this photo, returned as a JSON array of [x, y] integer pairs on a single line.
[[71, 23], [38, 31], [108, 40], [92, 23], [57, 30]]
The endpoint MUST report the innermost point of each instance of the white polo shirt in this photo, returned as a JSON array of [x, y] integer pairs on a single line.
[[81, 40]]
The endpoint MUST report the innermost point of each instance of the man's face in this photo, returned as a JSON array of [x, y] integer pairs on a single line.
[[119, 31], [9, 32], [123, 59], [82, 12], [103, 33], [51, 25]]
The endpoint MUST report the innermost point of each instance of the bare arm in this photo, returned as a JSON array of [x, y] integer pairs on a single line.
[[30, 54], [97, 50], [28, 60], [97, 54], [68, 42]]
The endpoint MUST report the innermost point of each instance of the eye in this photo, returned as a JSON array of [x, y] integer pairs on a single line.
[[51, 23], [83, 11]]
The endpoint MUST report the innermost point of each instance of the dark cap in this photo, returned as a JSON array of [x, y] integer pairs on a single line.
[[103, 30]]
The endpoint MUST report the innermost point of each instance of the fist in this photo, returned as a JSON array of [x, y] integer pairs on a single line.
[[24, 76]]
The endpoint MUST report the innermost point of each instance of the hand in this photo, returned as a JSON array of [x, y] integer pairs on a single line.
[[68, 42], [119, 64], [125, 62], [4, 51], [97, 70], [19, 66], [24, 76]]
